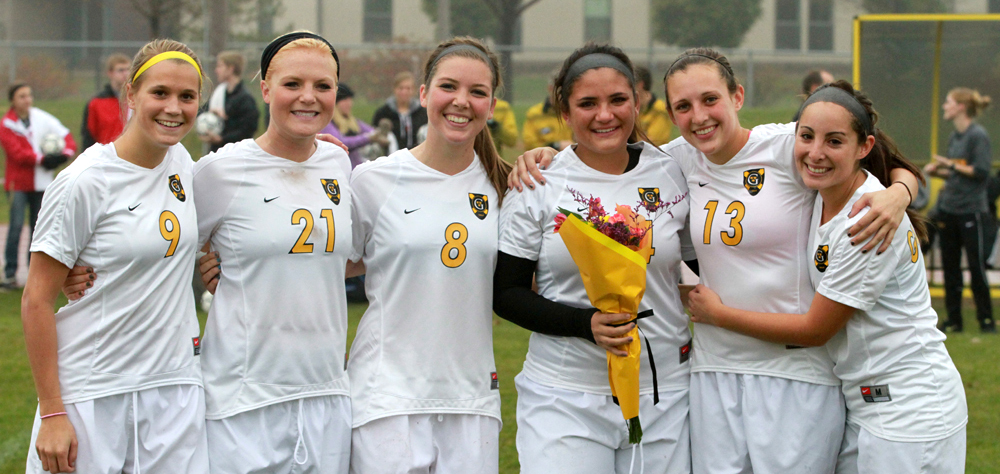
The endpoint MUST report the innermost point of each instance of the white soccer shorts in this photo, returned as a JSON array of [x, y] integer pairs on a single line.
[[427, 443], [308, 435], [168, 422], [571, 432], [743, 424], [865, 453]]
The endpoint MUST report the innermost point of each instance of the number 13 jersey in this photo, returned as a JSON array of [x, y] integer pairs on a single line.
[[277, 330], [429, 242], [750, 226]]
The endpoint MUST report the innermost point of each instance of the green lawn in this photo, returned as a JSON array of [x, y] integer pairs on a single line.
[[975, 355]]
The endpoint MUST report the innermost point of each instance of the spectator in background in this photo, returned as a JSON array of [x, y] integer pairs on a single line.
[[962, 208], [544, 127], [403, 110], [29, 170], [653, 117], [231, 102], [102, 117], [814, 79], [503, 125], [354, 133]]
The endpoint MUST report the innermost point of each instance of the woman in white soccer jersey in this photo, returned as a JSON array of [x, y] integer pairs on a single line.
[[906, 409], [567, 419], [423, 381], [749, 220], [277, 210], [117, 372]]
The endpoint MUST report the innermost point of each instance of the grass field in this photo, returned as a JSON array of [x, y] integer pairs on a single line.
[[977, 357]]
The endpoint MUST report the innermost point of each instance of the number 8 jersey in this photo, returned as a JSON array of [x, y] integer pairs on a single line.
[[136, 328], [277, 330], [429, 242]]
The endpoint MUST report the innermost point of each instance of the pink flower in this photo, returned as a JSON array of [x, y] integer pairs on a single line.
[[617, 218], [560, 218]]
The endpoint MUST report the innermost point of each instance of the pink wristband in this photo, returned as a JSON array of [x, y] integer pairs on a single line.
[[50, 415]]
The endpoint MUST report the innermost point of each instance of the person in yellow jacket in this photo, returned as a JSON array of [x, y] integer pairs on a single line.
[[544, 127], [503, 125], [653, 111]]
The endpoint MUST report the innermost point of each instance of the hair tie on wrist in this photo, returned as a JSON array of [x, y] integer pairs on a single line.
[[50, 415], [908, 193]]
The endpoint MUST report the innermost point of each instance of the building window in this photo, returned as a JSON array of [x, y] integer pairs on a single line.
[[821, 25], [994, 6], [597, 20], [786, 25], [378, 21]]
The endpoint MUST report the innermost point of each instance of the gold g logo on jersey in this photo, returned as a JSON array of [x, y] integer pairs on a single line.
[[480, 205], [753, 180], [332, 190], [176, 187], [822, 257], [650, 197]]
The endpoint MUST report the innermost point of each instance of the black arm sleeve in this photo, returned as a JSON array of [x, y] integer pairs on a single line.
[[242, 119], [514, 301]]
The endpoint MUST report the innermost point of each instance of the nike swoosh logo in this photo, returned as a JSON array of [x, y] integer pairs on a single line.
[[407, 211], [132, 208], [269, 200], [702, 185]]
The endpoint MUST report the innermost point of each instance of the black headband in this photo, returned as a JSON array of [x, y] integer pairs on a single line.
[[836, 95], [280, 42], [594, 61], [463, 47], [725, 66]]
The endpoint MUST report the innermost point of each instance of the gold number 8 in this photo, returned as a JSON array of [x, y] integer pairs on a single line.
[[455, 236], [173, 234]]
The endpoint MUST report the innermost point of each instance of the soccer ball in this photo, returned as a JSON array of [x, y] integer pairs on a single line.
[[52, 144], [207, 123]]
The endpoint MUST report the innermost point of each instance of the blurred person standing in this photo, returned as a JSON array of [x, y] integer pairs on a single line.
[[231, 102], [403, 110], [962, 210], [29, 170], [544, 127], [102, 116], [352, 132], [503, 125], [653, 117]]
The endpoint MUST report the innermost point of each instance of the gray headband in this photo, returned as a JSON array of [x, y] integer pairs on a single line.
[[725, 67], [594, 61], [463, 47], [836, 95]]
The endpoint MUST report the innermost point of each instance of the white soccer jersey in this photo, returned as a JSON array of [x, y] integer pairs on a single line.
[[277, 329], [527, 230], [898, 379], [749, 224], [136, 328], [429, 242]]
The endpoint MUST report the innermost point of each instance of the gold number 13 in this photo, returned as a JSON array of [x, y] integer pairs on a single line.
[[729, 237]]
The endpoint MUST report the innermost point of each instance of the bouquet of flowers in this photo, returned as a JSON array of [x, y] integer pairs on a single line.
[[611, 252]]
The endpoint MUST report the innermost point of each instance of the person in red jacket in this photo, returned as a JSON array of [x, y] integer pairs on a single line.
[[102, 117], [22, 133]]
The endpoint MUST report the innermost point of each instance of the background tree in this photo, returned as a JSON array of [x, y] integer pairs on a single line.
[[496, 19], [687, 23], [163, 16]]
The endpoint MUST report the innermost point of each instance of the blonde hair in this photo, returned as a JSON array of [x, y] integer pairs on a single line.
[[114, 60], [233, 59], [402, 77], [301, 43], [153, 48], [973, 101], [496, 168]]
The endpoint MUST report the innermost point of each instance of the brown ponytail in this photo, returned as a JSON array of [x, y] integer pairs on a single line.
[[496, 168]]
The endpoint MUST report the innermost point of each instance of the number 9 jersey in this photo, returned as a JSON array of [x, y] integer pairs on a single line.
[[277, 330], [136, 328], [429, 243]]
